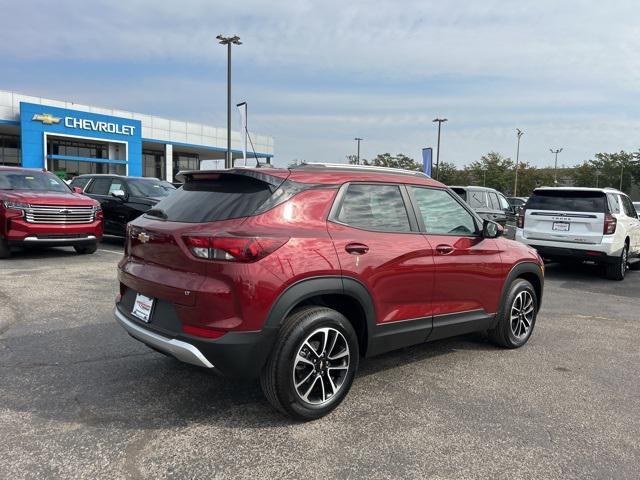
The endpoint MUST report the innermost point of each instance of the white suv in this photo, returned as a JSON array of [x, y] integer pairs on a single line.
[[573, 223]]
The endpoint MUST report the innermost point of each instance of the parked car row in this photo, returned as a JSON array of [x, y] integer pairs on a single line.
[[37, 209]]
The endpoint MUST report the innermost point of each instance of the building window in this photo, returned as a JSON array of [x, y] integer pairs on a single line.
[[153, 164], [73, 148], [185, 161], [9, 150], [68, 169]]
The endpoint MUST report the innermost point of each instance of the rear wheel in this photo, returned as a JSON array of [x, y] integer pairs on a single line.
[[618, 269], [5, 252], [313, 363], [86, 249], [517, 316]]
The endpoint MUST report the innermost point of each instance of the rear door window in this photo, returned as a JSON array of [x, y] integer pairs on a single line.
[[568, 201], [477, 199], [214, 198], [374, 207]]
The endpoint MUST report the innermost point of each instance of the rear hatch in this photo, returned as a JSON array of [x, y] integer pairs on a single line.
[[572, 216], [209, 204]]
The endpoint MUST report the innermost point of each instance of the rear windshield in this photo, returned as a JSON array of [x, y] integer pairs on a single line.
[[214, 199], [462, 193], [567, 201]]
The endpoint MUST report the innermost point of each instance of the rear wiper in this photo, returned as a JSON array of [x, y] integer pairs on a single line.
[[157, 212]]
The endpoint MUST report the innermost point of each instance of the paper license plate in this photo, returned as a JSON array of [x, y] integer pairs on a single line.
[[142, 308], [561, 226]]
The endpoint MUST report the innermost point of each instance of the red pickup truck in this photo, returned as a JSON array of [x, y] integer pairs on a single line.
[[39, 209]]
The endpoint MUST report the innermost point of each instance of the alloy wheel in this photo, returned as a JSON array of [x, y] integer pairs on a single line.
[[321, 366], [522, 312]]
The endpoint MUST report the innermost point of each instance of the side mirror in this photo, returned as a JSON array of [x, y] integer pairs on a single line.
[[119, 194], [77, 190], [491, 229]]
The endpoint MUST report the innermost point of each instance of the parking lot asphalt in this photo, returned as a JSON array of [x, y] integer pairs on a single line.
[[81, 399]]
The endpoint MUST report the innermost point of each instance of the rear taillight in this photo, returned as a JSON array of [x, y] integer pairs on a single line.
[[521, 218], [610, 223], [232, 248]]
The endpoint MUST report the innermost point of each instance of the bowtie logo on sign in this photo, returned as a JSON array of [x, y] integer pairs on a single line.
[[46, 118]]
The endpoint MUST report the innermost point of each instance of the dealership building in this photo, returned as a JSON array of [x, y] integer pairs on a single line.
[[71, 139]]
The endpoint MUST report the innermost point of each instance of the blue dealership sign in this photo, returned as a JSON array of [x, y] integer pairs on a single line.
[[38, 122]]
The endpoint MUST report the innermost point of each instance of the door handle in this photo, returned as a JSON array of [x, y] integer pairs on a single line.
[[444, 249], [356, 248]]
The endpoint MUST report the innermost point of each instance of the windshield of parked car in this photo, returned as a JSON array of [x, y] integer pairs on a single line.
[[40, 181], [150, 188]]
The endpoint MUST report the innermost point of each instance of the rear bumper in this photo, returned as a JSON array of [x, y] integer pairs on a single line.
[[183, 351], [559, 253], [235, 354]]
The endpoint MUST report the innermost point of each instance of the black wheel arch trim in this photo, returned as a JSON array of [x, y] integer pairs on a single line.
[[320, 285], [516, 272]]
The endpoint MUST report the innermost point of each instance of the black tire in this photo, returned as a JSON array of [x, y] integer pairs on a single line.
[[86, 249], [514, 334], [283, 367], [5, 252], [618, 269]]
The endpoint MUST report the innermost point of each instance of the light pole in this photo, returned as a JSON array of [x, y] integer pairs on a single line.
[[440, 122], [228, 41], [555, 165], [597, 176], [621, 172], [515, 183], [358, 139]]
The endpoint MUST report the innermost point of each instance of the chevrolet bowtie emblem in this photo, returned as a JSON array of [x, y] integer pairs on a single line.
[[143, 237], [46, 118]]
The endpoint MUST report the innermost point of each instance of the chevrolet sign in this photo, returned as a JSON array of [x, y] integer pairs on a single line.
[[98, 126]]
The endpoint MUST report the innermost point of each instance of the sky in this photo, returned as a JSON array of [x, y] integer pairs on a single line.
[[317, 74]]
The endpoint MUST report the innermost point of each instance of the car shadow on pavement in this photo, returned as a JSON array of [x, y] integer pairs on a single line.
[[98, 376]]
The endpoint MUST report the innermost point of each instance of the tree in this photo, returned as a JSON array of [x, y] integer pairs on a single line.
[[353, 160], [494, 171], [449, 174], [607, 169], [399, 161]]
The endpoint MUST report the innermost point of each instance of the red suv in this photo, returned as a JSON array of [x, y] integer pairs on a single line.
[[293, 275], [39, 209]]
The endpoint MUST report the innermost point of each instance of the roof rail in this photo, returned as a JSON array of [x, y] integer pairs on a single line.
[[371, 168]]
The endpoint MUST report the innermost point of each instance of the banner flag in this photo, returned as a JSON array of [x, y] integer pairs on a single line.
[[242, 108], [427, 160]]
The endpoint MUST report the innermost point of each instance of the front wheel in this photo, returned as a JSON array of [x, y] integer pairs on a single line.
[[313, 363], [86, 249], [618, 269], [517, 316]]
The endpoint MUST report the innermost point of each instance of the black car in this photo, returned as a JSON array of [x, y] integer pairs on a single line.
[[122, 198], [490, 204]]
